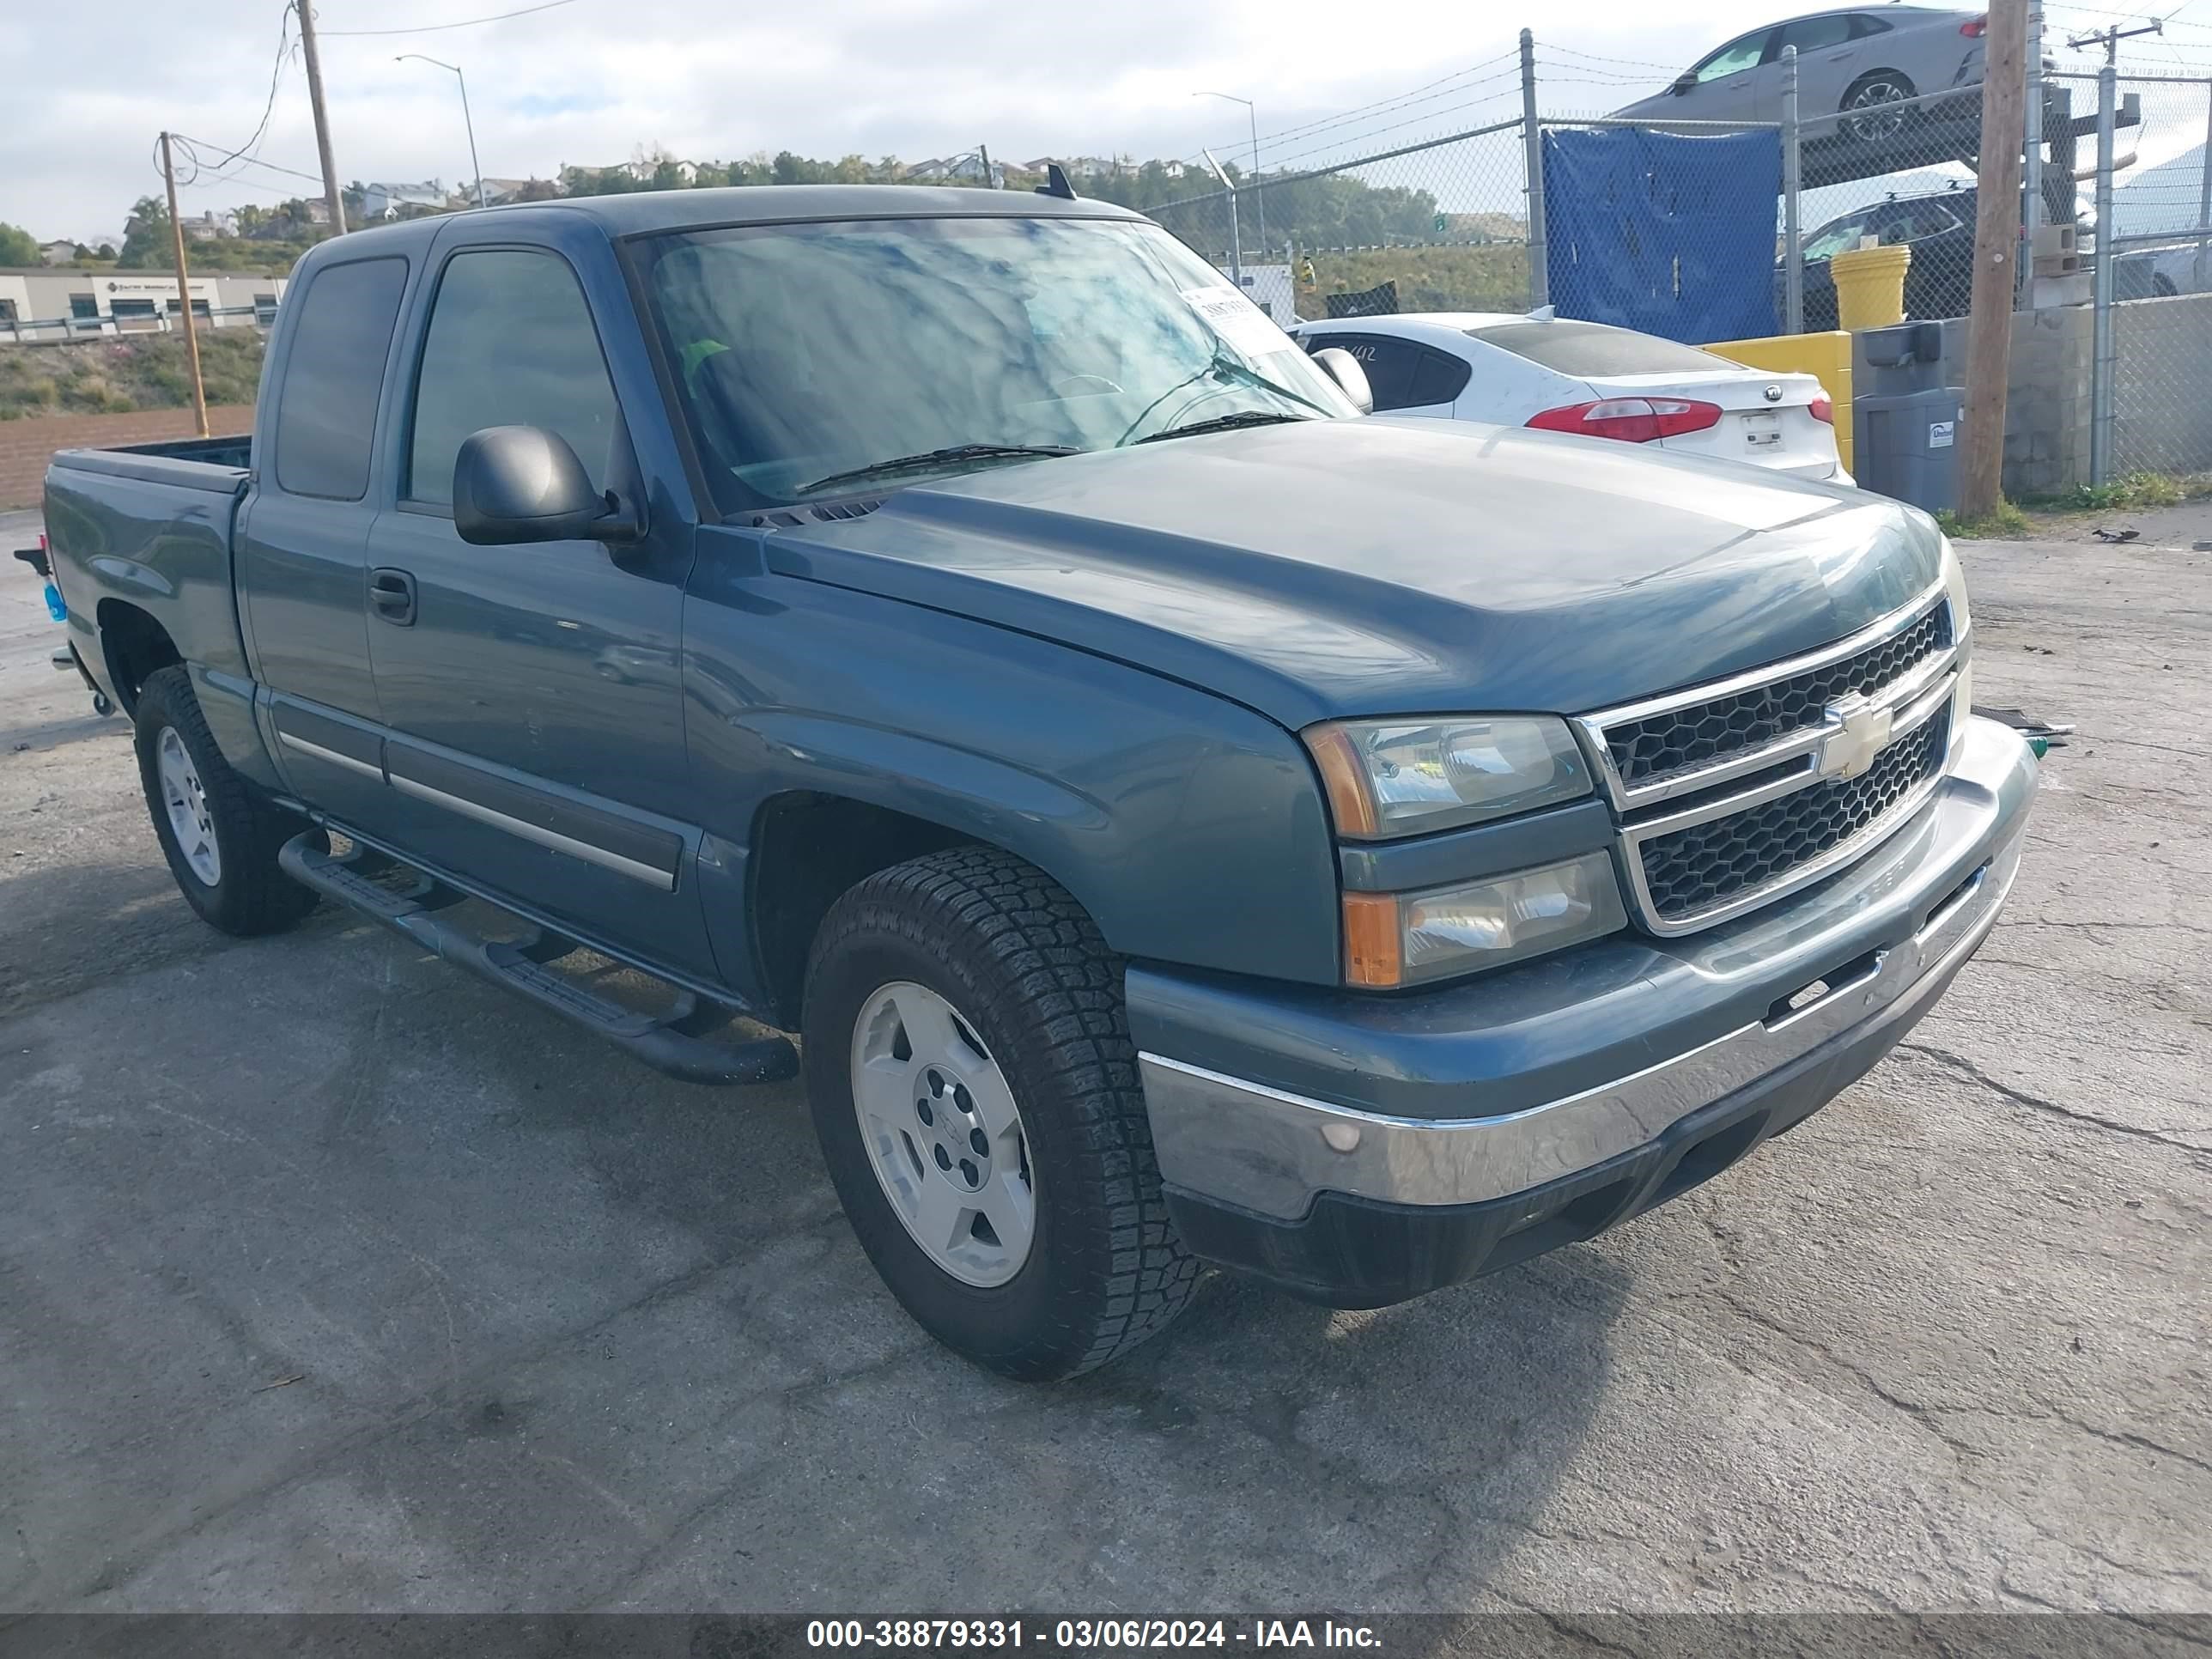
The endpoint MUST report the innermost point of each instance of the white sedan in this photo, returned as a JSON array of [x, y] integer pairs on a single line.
[[1588, 379]]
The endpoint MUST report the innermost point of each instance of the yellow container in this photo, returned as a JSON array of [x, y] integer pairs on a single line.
[[1870, 285], [1826, 356]]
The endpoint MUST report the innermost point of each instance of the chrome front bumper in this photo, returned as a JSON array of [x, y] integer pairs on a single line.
[[1892, 932]]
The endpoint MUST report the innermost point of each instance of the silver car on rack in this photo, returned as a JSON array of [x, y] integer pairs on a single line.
[[1849, 63]]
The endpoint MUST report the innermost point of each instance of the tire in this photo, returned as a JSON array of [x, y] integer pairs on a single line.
[[1871, 91], [1035, 999], [238, 886], [2163, 287]]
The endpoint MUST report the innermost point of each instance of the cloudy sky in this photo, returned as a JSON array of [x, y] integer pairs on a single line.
[[595, 82]]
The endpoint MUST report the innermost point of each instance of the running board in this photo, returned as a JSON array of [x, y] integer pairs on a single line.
[[675, 1043]]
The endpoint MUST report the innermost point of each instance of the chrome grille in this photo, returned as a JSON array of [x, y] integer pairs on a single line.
[[1678, 740], [1732, 795], [1709, 863]]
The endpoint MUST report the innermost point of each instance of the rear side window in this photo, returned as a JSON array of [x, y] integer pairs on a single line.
[[511, 343], [326, 408], [1401, 374], [1588, 350]]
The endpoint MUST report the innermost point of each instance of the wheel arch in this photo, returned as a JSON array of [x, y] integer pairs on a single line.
[[133, 647]]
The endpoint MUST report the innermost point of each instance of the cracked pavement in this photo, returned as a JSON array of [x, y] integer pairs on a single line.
[[331, 1280]]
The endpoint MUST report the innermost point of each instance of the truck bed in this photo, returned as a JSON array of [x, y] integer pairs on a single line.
[[218, 464]]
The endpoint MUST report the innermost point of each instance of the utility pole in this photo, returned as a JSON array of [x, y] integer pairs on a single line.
[[984, 150], [1996, 247], [331, 194], [184, 290]]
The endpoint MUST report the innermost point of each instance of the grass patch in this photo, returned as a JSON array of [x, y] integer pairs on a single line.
[[2137, 489], [2003, 522], [113, 376], [1493, 277]]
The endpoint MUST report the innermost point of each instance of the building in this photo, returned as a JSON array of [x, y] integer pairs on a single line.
[[497, 192], [58, 302], [393, 200], [57, 253], [215, 221]]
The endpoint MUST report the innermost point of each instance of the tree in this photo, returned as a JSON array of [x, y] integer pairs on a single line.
[[17, 247], [146, 236]]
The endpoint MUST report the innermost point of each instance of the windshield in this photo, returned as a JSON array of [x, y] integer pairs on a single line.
[[806, 353]]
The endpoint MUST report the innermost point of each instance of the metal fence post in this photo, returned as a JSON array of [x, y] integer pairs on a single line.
[[2204, 191], [2030, 177], [2100, 382], [1540, 275], [1793, 240]]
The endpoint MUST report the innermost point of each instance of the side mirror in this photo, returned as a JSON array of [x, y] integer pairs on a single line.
[[1350, 380], [522, 483], [1684, 83]]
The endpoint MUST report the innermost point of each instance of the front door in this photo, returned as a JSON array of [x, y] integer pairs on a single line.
[[532, 693]]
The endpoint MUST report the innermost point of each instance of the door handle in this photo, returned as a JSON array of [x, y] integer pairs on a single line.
[[393, 593]]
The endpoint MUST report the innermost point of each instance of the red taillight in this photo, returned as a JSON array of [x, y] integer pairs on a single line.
[[1631, 420], [1975, 28], [1821, 410]]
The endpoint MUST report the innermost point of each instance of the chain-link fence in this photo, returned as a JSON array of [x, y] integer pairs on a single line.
[[1440, 225], [1458, 222], [2152, 180]]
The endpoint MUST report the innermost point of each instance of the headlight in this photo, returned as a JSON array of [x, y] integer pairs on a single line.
[[1954, 584], [1954, 587], [1404, 939], [1407, 777]]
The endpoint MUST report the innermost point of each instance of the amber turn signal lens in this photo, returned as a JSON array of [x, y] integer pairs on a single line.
[[1345, 776], [1373, 941]]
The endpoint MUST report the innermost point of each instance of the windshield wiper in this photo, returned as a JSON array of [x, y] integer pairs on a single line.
[[1226, 423], [951, 455], [1222, 366]]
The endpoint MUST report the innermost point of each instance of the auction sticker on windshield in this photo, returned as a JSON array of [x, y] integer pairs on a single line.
[[1231, 314]]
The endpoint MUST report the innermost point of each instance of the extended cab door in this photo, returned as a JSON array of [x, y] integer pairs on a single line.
[[303, 541], [532, 693]]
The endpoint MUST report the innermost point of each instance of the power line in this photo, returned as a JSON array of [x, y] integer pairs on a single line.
[[1381, 106], [191, 147], [269, 108], [467, 23]]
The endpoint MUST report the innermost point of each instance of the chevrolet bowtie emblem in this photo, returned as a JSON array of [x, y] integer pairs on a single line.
[[1858, 733]]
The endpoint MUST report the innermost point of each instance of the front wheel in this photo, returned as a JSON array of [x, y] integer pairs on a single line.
[[221, 839], [976, 1093], [1874, 106]]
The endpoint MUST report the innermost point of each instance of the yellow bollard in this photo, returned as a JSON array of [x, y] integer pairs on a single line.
[[1870, 285]]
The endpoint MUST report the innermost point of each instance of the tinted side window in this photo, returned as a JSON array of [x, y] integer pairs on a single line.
[[1390, 366], [1862, 25], [326, 407], [1815, 33], [1438, 378], [510, 344]]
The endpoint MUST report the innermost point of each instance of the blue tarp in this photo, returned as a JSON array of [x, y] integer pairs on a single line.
[[1672, 235]]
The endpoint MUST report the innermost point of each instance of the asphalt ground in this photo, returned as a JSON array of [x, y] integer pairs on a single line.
[[330, 1279]]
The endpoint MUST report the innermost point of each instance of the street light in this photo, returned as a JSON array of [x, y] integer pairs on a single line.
[[1253, 115], [475, 165]]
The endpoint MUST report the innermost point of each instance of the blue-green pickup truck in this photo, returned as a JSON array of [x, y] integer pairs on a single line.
[[1181, 818]]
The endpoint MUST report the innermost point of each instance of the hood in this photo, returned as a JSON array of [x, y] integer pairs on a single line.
[[1330, 568]]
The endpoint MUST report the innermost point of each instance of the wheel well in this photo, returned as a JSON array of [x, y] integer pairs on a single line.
[[138, 646], [808, 850]]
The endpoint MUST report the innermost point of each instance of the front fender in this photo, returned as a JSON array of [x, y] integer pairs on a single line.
[[1191, 828]]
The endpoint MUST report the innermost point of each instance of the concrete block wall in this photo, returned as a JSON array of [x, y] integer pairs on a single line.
[[2046, 447], [26, 447]]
